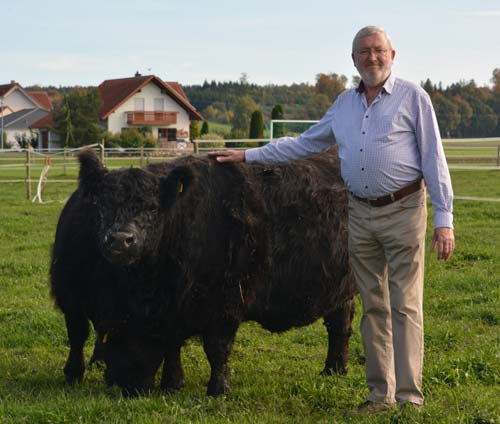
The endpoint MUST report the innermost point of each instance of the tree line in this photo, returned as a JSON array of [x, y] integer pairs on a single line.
[[463, 109]]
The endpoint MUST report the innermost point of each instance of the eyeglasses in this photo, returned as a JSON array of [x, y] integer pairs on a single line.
[[376, 51]]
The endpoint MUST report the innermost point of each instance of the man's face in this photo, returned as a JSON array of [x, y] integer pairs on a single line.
[[373, 57]]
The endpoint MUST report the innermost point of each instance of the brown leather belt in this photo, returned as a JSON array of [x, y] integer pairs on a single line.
[[393, 197]]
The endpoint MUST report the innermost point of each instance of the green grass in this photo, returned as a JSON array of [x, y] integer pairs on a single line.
[[274, 378]]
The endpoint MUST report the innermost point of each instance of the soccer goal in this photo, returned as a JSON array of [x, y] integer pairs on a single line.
[[288, 127]]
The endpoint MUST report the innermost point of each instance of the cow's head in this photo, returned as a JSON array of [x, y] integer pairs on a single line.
[[129, 207], [132, 356]]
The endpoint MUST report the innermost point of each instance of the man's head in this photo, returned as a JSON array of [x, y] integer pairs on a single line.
[[373, 55]]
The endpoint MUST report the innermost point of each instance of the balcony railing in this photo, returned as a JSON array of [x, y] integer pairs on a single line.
[[152, 117]]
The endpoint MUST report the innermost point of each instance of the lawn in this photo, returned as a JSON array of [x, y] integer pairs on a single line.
[[275, 378]]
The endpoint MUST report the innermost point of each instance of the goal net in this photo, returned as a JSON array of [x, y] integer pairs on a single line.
[[288, 127]]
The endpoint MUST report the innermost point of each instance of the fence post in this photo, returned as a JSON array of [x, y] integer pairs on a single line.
[[28, 174], [64, 160], [196, 147], [498, 156], [101, 149], [142, 156]]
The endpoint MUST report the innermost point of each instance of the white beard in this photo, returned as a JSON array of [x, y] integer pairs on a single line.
[[372, 79]]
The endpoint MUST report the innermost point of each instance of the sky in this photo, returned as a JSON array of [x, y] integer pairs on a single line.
[[67, 43]]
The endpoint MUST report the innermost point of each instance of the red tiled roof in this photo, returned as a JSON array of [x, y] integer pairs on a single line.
[[46, 122], [115, 92], [177, 87], [42, 98]]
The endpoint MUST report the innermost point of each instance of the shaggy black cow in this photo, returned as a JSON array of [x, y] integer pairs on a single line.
[[156, 255]]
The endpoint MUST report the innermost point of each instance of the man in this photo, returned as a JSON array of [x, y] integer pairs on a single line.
[[388, 141]]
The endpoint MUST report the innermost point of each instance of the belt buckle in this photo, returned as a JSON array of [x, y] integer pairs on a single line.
[[393, 198]]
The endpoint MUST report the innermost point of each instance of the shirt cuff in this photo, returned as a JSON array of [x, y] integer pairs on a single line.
[[252, 155], [443, 219]]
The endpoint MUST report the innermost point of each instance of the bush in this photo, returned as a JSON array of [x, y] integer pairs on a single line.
[[133, 138], [214, 145], [24, 141]]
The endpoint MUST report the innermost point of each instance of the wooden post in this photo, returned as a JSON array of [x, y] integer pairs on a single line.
[[64, 160], [196, 148], [142, 155], [28, 174], [101, 151]]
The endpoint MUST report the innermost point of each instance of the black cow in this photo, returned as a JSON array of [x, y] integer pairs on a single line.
[[156, 255]]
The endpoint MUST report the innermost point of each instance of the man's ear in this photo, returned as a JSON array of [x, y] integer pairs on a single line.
[[175, 185], [91, 171]]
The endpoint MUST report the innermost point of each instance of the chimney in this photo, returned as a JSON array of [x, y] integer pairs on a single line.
[[137, 74], [13, 82]]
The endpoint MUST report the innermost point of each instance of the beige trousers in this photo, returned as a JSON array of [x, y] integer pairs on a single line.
[[386, 247]]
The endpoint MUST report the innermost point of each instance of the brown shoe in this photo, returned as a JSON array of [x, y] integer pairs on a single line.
[[370, 408]]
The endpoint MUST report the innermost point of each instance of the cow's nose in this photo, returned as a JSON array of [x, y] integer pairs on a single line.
[[121, 241]]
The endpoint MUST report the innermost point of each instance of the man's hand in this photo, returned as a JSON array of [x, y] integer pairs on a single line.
[[228, 155], [445, 240]]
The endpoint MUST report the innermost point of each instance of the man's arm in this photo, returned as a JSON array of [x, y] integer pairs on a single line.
[[437, 178], [314, 140]]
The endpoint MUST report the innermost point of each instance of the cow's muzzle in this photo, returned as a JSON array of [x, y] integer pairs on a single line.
[[122, 247]]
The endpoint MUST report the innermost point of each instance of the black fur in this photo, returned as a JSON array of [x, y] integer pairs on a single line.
[[154, 256]]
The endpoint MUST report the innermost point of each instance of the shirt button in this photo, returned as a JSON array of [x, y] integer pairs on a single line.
[[363, 132], [362, 169], [366, 186], [366, 116], [360, 150]]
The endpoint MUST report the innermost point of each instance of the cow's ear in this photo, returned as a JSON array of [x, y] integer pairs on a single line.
[[175, 185], [91, 171]]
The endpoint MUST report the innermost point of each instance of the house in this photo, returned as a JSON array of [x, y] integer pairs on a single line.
[[147, 101], [26, 115]]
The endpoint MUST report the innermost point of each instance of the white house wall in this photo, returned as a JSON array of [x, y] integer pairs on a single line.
[[118, 119], [16, 100]]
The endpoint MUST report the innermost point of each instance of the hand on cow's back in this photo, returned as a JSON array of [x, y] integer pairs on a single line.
[[229, 155]]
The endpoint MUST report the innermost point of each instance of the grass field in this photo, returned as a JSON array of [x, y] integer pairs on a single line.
[[275, 378]]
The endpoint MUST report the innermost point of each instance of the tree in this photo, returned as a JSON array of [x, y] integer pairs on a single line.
[[316, 106], [64, 125], [204, 128], [256, 125], [242, 113], [331, 85], [194, 130], [447, 114], [278, 127], [77, 121]]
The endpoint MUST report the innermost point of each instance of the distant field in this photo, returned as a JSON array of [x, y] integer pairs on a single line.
[[274, 377]]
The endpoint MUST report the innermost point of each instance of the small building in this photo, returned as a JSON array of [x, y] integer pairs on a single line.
[[26, 115], [147, 101]]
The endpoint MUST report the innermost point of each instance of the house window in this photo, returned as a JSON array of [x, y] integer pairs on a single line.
[[159, 105], [172, 134], [167, 134], [139, 103]]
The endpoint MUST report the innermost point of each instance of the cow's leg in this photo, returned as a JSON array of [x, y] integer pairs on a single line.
[[77, 326], [339, 327], [218, 344], [172, 377]]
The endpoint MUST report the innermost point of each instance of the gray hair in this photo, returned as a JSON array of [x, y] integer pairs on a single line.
[[369, 30]]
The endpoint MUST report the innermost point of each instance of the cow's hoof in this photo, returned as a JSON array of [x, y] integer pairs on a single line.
[[73, 376], [217, 389], [172, 386], [338, 369]]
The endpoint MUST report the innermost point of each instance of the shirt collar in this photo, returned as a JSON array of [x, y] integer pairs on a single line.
[[388, 85]]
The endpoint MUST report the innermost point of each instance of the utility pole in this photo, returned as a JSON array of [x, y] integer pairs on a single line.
[[1, 109]]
